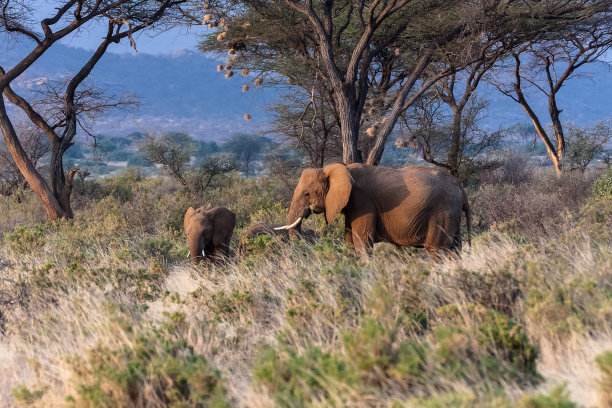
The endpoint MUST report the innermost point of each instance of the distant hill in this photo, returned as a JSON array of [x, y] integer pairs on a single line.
[[184, 92]]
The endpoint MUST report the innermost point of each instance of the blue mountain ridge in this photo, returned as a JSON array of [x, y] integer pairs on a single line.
[[184, 92]]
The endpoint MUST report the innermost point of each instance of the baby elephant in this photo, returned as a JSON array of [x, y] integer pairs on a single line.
[[209, 232], [256, 230]]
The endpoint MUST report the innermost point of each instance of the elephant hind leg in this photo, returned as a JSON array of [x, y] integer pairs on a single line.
[[363, 244], [439, 243]]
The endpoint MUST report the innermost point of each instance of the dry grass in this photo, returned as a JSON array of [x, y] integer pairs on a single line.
[[335, 329]]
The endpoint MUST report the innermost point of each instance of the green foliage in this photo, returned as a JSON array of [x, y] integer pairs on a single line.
[[373, 349], [602, 187], [497, 343], [557, 398], [233, 304], [298, 381], [24, 396], [262, 245], [26, 239], [604, 362], [585, 144], [158, 368], [247, 148]]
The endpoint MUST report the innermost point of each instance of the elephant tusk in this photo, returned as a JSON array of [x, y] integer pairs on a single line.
[[203, 254], [286, 227], [188, 254]]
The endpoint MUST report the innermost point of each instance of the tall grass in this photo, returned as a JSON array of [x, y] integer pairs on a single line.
[[105, 310]]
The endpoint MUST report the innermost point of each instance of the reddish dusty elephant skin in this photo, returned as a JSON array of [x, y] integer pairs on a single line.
[[256, 230], [413, 206], [209, 232]]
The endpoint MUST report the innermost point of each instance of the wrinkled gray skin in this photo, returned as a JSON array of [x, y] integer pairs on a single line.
[[413, 206], [210, 230], [255, 230]]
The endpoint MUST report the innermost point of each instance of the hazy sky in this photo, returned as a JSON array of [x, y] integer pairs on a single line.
[[90, 36]]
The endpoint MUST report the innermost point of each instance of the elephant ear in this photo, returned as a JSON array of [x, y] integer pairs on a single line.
[[340, 185], [188, 215], [217, 219]]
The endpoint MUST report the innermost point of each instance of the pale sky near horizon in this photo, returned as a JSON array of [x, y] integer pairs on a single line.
[[89, 37]]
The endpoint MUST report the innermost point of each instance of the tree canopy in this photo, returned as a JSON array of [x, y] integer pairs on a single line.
[[375, 55]]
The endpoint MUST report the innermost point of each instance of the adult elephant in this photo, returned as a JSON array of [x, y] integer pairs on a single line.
[[413, 206], [209, 232]]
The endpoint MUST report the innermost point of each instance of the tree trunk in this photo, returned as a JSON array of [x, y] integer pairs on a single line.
[[558, 129], [453, 151], [35, 181], [349, 129]]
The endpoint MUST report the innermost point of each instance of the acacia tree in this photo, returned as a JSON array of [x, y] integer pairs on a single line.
[[36, 147], [356, 46], [67, 101], [433, 131], [549, 65], [306, 122]]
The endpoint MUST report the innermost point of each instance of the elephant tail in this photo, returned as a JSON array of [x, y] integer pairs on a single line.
[[468, 217]]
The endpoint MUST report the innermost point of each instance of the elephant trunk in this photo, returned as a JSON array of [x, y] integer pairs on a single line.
[[195, 250], [297, 213]]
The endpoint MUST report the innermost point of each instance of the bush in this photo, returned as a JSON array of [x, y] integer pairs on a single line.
[[298, 381], [26, 239], [604, 362], [495, 344], [157, 368], [557, 398], [602, 187]]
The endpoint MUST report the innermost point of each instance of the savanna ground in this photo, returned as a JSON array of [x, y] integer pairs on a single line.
[[105, 310]]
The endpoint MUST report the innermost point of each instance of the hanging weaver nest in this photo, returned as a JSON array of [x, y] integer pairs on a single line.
[[206, 6], [398, 52], [220, 37], [401, 143], [228, 67], [370, 131], [245, 72], [246, 25], [258, 81], [219, 67], [245, 88], [247, 116], [229, 74], [207, 18], [231, 51], [290, 81]]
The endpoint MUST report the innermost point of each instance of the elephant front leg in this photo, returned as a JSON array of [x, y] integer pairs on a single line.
[[222, 252], [348, 234], [363, 230], [363, 245]]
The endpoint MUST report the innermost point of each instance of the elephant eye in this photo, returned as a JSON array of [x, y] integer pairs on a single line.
[[307, 194]]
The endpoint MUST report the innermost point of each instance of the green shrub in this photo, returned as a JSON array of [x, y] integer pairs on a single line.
[[262, 245], [496, 344], [373, 350], [26, 239], [604, 362], [557, 398], [157, 368], [460, 400], [298, 381], [602, 187], [24, 396]]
